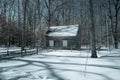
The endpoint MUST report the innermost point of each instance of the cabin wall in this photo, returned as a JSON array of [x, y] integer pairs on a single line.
[[58, 42]]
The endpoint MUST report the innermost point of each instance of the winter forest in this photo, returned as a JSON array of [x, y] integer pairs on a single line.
[[59, 39]]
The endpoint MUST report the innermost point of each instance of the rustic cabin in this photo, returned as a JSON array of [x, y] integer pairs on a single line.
[[63, 37]]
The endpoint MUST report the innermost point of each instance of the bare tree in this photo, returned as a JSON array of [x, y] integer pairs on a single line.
[[92, 31], [114, 19], [24, 26], [117, 8]]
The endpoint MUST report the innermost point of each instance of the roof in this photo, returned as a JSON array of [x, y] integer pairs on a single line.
[[69, 30]]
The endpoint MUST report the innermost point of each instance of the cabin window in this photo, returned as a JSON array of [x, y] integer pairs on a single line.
[[51, 43], [65, 43]]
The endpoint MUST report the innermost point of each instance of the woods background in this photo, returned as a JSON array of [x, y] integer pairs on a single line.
[[25, 22]]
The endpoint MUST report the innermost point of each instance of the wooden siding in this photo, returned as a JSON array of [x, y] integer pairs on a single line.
[[71, 42]]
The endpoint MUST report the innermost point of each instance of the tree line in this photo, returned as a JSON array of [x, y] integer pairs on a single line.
[[25, 22], [10, 33]]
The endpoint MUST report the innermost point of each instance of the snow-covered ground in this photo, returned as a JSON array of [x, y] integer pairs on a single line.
[[63, 65]]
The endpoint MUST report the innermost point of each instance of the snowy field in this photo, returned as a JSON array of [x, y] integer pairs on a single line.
[[63, 65]]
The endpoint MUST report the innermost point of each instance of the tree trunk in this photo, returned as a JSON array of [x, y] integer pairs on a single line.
[[24, 25], [116, 24], [92, 31], [114, 27]]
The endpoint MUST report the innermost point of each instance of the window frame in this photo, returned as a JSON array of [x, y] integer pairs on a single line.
[[51, 43], [65, 43]]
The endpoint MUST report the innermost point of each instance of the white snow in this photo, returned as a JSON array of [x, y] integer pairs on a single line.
[[63, 65], [69, 30]]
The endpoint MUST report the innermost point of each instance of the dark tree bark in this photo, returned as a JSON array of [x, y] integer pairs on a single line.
[[92, 31], [117, 7], [24, 25], [111, 16]]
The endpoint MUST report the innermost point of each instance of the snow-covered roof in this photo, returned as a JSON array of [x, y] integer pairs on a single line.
[[69, 30]]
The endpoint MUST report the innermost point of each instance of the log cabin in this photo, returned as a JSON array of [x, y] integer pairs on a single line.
[[63, 37]]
